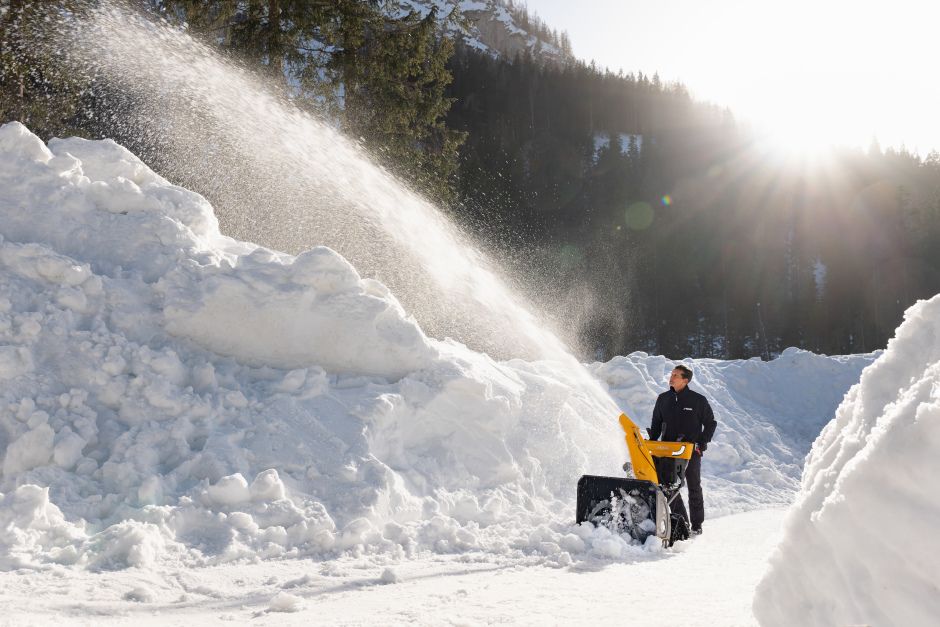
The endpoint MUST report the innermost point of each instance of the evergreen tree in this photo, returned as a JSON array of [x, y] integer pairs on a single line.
[[393, 94], [383, 79], [34, 88]]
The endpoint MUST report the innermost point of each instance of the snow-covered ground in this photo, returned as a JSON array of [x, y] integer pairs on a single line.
[[197, 429], [430, 590]]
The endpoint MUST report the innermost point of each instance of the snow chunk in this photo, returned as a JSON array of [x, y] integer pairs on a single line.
[[267, 486], [32, 449], [68, 449], [230, 490], [21, 145], [126, 544], [15, 361], [33, 530], [284, 602], [139, 595]]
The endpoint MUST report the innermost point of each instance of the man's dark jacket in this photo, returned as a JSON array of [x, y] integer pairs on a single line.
[[683, 417]]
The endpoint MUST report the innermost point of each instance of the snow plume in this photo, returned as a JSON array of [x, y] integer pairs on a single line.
[[858, 545], [289, 180]]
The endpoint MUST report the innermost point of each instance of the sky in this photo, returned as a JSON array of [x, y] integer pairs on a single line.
[[809, 73]]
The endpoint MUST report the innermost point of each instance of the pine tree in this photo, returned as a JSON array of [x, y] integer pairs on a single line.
[[35, 88], [393, 94], [382, 79]]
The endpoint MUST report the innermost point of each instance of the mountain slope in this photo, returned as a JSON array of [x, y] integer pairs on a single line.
[[491, 27]]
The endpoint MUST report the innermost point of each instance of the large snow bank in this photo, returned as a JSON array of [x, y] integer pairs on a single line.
[[177, 392], [860, 544], [170, 393], [96, 204]]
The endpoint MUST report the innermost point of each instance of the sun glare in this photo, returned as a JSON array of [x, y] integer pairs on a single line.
[[795, 139], [809, 117], [809, 75]]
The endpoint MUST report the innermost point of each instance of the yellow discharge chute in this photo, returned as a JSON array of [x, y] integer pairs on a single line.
[[642, 451]]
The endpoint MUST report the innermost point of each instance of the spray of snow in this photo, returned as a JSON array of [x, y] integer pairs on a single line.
[[290, 181], [859, 544], [819, 278]]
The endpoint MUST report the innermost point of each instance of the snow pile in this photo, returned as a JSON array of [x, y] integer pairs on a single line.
[[30, 524], [284, 602], [168, 393], [98, 205], [184, 394], [860, 544]]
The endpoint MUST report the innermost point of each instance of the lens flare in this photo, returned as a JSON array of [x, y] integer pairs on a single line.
[[639, 216]]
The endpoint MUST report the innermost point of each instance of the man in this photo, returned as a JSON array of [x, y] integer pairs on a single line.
[[681, 415]]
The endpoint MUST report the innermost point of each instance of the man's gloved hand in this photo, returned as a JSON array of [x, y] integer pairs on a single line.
[[701, 446]]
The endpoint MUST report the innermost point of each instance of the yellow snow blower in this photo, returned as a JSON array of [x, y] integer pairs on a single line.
[[640, 506]]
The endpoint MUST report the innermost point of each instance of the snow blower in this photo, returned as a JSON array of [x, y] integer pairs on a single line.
[[640, 506]]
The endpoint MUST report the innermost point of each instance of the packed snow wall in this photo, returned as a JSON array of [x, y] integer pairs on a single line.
[[860, 543], [167, 392]]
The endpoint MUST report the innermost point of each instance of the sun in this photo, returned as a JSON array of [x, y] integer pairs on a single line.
[[796, 139], [813, 76], [791, 134], [809, 118]]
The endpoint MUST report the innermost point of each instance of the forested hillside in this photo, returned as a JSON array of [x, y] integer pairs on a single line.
[[660, 224], [639, 218]]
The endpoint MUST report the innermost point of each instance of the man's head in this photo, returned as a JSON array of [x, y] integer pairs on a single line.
[[680, 377]]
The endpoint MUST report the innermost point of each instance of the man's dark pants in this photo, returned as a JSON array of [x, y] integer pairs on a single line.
[[693, 481]]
